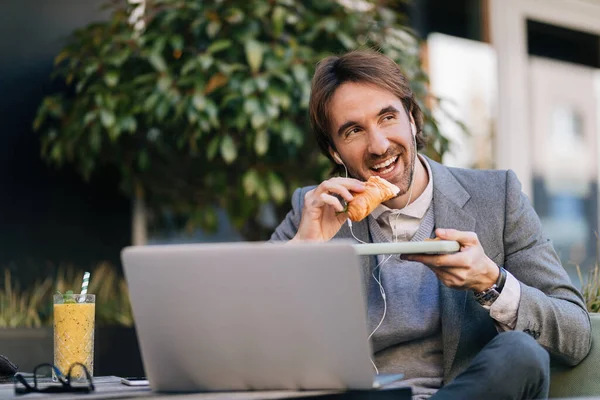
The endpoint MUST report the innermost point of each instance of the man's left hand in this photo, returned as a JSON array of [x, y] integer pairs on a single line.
[[469, 268]]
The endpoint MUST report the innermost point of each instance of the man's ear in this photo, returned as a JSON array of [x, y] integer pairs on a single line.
[[413, 126], [334, 154]]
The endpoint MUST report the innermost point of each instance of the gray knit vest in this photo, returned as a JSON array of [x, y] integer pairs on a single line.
[[409, 340]]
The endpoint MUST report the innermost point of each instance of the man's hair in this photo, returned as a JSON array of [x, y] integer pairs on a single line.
[[361, 66]]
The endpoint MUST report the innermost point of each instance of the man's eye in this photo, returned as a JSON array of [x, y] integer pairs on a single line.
[[389, 117], [352, 131]]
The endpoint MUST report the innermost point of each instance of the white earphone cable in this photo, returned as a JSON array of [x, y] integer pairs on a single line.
[[394, 238], [382, 291]]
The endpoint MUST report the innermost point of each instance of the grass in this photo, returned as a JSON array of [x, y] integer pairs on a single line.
[[33, 308], [22, 308], [590, 288]]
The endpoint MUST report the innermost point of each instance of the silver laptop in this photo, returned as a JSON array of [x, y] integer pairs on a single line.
[[250, 316]]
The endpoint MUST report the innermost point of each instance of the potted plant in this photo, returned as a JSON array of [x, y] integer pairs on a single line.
[[584, 379], [202, 105]]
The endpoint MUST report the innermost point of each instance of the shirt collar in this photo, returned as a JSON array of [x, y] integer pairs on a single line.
[[417, 208]]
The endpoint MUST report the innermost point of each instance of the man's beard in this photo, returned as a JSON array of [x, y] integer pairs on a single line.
[[403, 181]]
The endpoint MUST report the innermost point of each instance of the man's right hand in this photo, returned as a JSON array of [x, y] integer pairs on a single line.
[[323, 213]]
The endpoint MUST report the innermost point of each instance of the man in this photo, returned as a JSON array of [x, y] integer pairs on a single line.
[[471, 325]]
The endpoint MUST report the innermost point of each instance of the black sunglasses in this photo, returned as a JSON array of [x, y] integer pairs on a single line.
[[64, 384]]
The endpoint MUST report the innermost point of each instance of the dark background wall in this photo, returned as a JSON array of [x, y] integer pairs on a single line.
[[47, 216]]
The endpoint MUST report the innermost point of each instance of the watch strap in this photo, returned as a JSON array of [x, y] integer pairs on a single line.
[[501, 280]]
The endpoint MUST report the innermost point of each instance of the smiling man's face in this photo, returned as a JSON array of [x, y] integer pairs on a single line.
[[372, 133]]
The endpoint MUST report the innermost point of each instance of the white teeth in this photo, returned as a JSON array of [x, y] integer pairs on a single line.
[[385, 163], [385, 171]]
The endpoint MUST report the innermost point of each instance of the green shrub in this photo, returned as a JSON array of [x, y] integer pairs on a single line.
[[34, 308], [206, 107]]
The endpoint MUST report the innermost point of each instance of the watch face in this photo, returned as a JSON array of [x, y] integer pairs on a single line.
[[488, 297]]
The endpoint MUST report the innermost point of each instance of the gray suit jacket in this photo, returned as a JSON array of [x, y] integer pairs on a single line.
[[491, 204]]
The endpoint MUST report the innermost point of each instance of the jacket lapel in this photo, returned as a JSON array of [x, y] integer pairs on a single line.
[[449, 198]]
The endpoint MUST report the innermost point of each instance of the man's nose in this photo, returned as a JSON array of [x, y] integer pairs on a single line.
[[378, 142]]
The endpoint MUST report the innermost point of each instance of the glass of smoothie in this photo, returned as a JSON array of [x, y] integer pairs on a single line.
[[74, 318]]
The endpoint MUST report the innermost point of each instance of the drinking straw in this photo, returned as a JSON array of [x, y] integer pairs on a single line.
[[86, 282]]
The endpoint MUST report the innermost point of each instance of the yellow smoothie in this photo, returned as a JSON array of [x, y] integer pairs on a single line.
[[74, 337]]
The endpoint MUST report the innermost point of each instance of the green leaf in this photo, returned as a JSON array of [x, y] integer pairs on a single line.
[[95, 140], [300, 73], [151, 102], [107, 118], [158, 62], [164, 83], [39, 118], [110, 101], [219, 45], [61, 56], [119, 59], [189, 66], [272, 111], [206, 61], [248, 87], [261, 142], [56, 154], [199, 102], [89, 117], [261, 83], [111, 78], [234, 16], [90, 69], [162, 110], [128, 124], [287, 131], [192, 116], [285, 101], [213, 112], [346, 40], [176, 42], [230, 98], [254, 54], [258, 119], [330, 24], [276, 188], [228, 149], [68, 297], [212, 148], [278, 20], [159, 44], [290, 133], [250, 182], [213, 28], [114, 132], [204, 125], [251, 105], [240, 121], [263, 192]]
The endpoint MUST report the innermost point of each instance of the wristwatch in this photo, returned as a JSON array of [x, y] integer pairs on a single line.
[[489, 295]]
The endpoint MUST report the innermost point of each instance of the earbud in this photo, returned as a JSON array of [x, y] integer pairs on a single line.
[[337, 158]]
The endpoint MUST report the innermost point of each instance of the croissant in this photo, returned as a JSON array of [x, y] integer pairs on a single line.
[[377, 191]]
